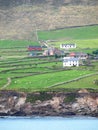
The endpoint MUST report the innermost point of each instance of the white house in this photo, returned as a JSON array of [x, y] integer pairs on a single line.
[[70, 61], [67, 46]]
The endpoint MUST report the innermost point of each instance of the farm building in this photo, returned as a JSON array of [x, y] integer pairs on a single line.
[[53, 51], [67, 46], [70, 61], [79, 55], [48, 52], [34, 48]]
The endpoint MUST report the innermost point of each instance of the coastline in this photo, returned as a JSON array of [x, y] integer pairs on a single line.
[[48, 104]]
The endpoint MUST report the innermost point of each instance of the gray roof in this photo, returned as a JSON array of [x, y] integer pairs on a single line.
[[71, 59], [71, 44], [80, 53]]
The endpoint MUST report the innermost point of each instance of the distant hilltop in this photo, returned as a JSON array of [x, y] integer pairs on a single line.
[[9, 3], [19, 19]]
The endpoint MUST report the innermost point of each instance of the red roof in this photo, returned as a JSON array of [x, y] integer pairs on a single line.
[[72, 54], [34, 48]]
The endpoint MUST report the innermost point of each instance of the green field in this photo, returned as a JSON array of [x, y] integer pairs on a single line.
[[18, 71], [85, 38], [45, 80], [87, 32], [87, 45], [33, 74], [16, 43], [82, 83]]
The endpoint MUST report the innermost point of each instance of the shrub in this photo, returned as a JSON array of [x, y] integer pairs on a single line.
[[96, 81], [70, 98], [42, 96]]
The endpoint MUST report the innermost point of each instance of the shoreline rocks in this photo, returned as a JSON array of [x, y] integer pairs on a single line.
[[81, 103]]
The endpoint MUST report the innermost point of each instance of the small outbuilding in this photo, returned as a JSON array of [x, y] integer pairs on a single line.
[[34, 48], [68, 46]]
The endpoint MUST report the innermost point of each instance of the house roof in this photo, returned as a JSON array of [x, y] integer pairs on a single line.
[[78, 54], [66, 59], [71, 44]]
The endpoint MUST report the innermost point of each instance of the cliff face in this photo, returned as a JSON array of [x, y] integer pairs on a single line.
[[20, 18], [48, 104]]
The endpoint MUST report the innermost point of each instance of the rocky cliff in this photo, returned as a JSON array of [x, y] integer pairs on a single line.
[[48, 103], [19, 19]]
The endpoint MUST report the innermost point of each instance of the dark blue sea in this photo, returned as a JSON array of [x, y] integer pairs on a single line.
[[48, 123]]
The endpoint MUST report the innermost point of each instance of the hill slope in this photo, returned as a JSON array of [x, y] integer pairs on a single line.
[[19, 19], [9, 3]]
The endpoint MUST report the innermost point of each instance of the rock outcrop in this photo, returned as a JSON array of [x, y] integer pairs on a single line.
[[48, 103]]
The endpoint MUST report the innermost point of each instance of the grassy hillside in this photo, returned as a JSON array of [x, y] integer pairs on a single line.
[[18, 22], [87, 45], [16, 43], [87, 83], [31, 74], [86, 32], [20, 72], [84, 37], [45, 80]]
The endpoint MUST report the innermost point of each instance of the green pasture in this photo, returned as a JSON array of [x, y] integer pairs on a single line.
[[26, 66], [42, 81], [81, 44], [85, 38], [87, 45], [32, 74], [16, 44], [75, 33], [26, 76], [3, 81], [21, 60], [87, 82]]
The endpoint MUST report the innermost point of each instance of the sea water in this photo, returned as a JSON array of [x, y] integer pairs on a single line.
[[48, 123]]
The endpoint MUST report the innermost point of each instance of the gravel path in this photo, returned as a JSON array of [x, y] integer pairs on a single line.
[[7, 84]]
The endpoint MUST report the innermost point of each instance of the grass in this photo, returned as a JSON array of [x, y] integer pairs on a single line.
[[82, 83], [39, 74], [83, 44], [16, 43], [87, 45], [87, 32], [23, 74], [25, 67], [86, 38], [45, 80]]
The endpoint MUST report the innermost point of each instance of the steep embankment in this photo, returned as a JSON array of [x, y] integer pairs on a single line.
[[19, 19], [48, 103]]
